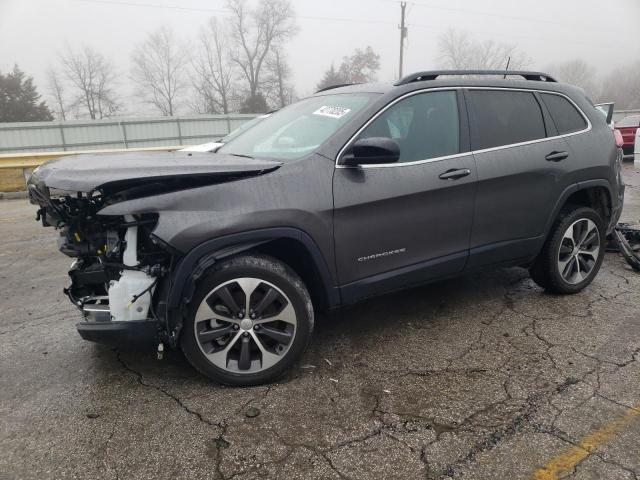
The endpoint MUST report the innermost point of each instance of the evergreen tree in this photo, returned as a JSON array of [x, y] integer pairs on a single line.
[[360, 67], [256, 104], [19, 99], [331, 77]]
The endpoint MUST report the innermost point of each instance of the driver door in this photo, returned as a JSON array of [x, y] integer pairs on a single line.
[[407, 222]]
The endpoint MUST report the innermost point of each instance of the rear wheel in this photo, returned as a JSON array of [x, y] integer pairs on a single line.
[[572, 255], [250, 319]]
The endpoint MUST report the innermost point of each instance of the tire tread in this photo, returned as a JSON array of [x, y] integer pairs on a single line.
[[263, 262], [543, 271]]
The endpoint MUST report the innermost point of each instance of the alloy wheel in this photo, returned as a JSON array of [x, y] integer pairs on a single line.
[[245, 325], [579, 251]]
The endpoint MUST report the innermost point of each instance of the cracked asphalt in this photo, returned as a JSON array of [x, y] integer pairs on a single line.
[[479, 377]]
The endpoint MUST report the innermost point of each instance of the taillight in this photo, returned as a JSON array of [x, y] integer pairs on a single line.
[[618, 136]]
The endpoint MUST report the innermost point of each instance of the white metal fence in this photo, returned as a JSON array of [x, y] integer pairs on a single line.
[[112, 133], [620, 114], [132, 133]]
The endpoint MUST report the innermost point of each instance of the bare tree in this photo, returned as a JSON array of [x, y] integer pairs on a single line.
[[92, 77], [577, 72], [458, 51], [279, 73], [213, 72], [622, 86], [254, 32], [56, 90], [159, 65]]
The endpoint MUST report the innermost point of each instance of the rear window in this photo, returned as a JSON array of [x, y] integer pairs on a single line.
[[628, 122], [566, 117], [500, 117]]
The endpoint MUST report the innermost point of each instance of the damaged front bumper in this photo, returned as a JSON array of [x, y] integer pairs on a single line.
[[116, 298], [99, 326], [133, 333]]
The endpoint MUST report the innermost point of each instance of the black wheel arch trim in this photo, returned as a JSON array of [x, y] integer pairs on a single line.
[[196, 261], [571, 189]]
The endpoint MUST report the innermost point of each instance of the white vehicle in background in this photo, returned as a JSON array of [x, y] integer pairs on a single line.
[[636, 155], [213, 146]]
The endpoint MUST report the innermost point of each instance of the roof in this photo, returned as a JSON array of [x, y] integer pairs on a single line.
[[449, 78]]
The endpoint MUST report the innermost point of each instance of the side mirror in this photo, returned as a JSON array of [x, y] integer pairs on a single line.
[[372, 150]]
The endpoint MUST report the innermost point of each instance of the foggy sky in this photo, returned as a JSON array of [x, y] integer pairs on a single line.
[[606, 33]]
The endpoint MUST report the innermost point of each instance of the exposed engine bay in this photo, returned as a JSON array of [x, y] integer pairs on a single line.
[[117, 262], [108, 209], [122, 272]]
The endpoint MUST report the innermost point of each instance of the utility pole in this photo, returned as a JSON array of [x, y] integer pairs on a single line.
[[403, 34]]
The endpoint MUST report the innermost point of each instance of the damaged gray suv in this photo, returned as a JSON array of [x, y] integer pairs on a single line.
[[355, 191]]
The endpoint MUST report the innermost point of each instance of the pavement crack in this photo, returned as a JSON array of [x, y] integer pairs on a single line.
[[175, 398], [530, 407]]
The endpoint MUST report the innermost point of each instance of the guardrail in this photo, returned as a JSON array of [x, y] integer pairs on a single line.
[[16, 167], [620, 114], [74, 135]]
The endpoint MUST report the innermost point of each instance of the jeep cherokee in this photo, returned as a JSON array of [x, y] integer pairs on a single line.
[[355, 191]]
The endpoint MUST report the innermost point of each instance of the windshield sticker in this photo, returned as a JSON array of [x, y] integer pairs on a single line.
[[333, 112]]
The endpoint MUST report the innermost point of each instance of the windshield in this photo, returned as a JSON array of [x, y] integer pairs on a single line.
[[242, 128], [298, 129]]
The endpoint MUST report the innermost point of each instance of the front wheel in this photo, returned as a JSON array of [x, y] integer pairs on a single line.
[[573, 253], [250, 319]]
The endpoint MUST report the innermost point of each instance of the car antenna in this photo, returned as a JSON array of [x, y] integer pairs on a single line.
[[506, 68]]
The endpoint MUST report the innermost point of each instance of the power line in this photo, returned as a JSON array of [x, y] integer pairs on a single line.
[[344, 19], [151, 5], [199, 9], [492, 33], [488, 14]]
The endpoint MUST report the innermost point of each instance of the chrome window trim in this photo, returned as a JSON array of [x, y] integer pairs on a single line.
[[462, 154]]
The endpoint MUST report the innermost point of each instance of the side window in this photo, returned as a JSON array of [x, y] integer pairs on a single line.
[[500, 117], [564, 114], [424, 125]]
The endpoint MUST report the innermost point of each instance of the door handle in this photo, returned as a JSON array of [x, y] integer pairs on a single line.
[[556, 156], [455, 174]]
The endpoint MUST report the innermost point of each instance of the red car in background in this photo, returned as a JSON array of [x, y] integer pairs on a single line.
[[628, 127]]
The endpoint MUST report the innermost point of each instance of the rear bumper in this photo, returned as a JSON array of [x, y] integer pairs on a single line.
[[116, 334]]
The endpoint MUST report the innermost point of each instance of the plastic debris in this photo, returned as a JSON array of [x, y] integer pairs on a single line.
[[624, 235]]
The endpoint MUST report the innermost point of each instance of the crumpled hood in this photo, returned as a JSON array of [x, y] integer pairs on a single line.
[[113, 171]]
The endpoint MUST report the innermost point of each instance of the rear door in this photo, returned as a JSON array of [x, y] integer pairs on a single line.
[[401, 223], [522, 163]]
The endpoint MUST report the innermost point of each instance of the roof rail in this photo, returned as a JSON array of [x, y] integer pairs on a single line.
[[331, 87], [432, 75]]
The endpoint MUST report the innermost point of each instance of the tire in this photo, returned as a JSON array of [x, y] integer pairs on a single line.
[[236, 348], [579, 268]]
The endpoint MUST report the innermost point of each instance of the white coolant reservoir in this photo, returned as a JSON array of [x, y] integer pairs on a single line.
[[131, 284]]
